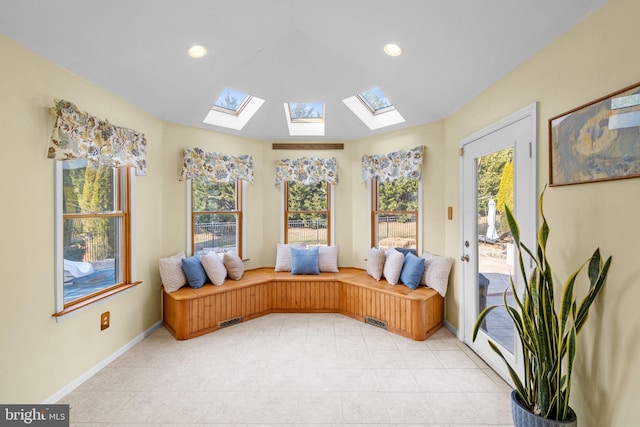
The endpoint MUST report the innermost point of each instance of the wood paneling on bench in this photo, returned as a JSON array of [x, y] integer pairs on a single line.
[[416, 314]]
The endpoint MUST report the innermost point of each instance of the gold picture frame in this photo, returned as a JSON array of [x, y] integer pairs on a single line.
[[598, 141]]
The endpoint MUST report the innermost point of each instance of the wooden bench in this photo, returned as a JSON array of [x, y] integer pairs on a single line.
[[416, 314]]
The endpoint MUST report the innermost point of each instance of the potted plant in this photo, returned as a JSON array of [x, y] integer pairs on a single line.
[[547, 332]]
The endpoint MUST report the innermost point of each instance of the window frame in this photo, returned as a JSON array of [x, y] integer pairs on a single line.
[[374, 211], [124, 186], [328, 212], [239, 212], [230, 111], [361, 97], [306, 119]]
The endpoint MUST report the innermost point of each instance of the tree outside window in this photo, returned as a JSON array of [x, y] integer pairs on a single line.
[[216, 214], [307, 213], [95, 229], [395, 214]]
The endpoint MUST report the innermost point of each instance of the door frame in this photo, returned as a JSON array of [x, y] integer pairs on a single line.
[[529, 111]]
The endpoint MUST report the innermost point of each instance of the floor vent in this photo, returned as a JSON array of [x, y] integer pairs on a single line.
[[375, 322], [230, 322]]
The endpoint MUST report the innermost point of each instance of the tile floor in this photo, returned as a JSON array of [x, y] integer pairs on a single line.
[[294, 369]]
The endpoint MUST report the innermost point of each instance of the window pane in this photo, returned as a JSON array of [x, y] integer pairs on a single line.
[[213, 197], [91, 248], [217, 232], [398, 231], [307, 197], [310, 229], [400, 195], [375, 99], [231, 100], [87, 187], [397, 213], [306, 110], [494, 244]]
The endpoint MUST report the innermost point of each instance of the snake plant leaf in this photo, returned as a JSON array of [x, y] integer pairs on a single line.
[[548, 337], [481, 317], [544, 230], [594, 266], [583, 311], [512, 373], [566, 303], [513, 225], [571, 357], [519, 326]]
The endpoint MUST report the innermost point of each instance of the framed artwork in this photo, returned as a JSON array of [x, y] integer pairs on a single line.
[[598, 141]]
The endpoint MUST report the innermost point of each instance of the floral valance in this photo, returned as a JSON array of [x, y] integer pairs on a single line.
[[216, 167], [79, 135], [307, 170], [392, 166]]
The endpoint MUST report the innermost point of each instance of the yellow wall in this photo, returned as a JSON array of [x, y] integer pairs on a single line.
[[263, 210], [176, 138], [595, 58], [434, 210], [38, 356]]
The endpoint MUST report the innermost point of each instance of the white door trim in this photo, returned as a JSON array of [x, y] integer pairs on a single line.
[[528, 111]]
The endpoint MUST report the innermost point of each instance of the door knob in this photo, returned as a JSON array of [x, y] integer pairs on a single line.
[[464, 258]]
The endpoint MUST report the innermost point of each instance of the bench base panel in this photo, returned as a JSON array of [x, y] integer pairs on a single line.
[[414, 314]]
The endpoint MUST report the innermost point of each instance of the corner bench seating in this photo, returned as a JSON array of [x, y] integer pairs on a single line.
[[416, 314]]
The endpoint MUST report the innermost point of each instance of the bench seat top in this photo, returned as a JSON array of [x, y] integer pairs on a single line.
[[352, 276]]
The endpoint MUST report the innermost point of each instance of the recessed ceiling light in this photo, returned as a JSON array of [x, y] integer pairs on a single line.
[[392, 49], [197, 51]]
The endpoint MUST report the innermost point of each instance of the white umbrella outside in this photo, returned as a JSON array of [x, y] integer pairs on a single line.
[[491, 234]]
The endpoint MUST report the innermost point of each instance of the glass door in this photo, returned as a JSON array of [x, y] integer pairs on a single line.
[[494, 247], [498, 170]]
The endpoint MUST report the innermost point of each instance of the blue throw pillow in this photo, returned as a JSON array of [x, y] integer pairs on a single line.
[[193, 269], [412, 270], [304, 260], [406, 251]]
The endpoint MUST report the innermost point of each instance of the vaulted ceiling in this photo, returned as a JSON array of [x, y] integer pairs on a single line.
[[291, 51]]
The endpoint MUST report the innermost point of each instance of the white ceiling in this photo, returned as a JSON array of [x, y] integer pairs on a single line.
[[291, 50]]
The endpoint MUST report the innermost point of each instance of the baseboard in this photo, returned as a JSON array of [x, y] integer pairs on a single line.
[[91, 372], [453, 330]]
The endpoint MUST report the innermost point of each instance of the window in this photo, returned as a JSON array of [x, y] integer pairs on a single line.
[[233, 109], [307, 213], [94, 224], [394, 213], [216, 212], [306, 112], [375, 101], [231, 101], [305, 118], [374, 109]]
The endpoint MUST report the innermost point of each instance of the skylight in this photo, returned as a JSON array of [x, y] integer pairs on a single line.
[[233, 109], [374, 109], [305, 118], [231, 101], [306, 111], [375, 100]]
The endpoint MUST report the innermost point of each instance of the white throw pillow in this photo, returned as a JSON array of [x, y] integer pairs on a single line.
[[171, 272], [234, 265], [375, 263], [214, 267], [283, 256], [393, 266], [436, 272], [328, 259]]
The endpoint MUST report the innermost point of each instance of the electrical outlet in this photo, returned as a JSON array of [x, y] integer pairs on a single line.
[[104, 320]]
